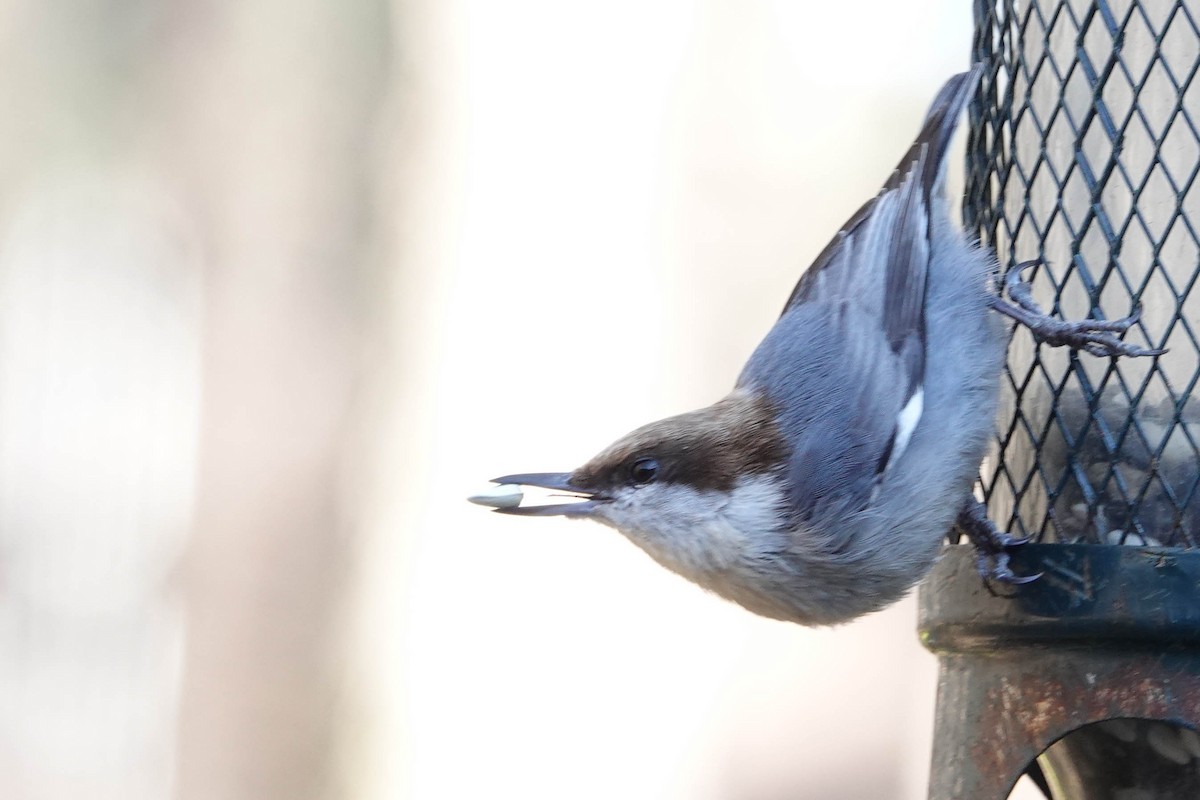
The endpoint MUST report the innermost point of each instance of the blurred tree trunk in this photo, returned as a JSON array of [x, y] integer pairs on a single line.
[[186, 270], [271, 106]]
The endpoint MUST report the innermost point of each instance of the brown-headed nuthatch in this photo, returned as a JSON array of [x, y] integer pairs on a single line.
[[822, 486]]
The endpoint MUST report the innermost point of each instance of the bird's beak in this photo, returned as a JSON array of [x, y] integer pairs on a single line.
[[558, 481]]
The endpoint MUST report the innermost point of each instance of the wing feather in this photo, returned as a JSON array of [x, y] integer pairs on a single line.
[[880, 257], [861, 304]]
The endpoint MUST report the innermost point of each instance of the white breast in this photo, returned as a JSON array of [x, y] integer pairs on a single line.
[[698, 533]]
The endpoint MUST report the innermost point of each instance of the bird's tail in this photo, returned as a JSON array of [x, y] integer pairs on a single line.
[[882, 252], [938, 129]]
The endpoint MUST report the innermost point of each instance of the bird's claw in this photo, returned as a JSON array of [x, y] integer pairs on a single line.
[[1100, 337], [994, 567], [992, 546], [1003, 539], [983, 533]]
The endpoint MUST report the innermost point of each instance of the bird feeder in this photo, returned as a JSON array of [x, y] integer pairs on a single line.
[[1084, 153]]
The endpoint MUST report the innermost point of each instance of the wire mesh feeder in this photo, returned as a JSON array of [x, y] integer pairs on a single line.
[[1084, 153]]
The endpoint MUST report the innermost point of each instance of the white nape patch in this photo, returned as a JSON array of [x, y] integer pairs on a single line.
[[906, 423]]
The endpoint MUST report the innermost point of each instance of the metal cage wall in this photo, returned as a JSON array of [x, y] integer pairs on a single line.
[[1084, 153]]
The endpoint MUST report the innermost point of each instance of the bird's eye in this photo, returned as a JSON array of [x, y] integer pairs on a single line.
[[644, 470]]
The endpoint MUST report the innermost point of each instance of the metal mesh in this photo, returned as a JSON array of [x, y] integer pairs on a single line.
[[1084, 153]]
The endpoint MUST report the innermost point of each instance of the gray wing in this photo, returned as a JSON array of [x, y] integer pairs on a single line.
[[837, 390], [845, 363], [880, 257]]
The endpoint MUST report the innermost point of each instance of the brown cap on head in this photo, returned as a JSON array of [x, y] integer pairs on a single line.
[[711, 448]]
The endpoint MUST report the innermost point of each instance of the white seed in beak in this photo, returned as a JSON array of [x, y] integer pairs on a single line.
[[506, 495]]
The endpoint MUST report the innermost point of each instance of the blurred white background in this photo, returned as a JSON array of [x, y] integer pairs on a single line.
[[282, 283]]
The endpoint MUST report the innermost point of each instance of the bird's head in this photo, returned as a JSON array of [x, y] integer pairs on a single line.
[[666, 485]]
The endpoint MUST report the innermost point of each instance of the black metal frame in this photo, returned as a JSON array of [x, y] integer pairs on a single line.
[[1068, 162]]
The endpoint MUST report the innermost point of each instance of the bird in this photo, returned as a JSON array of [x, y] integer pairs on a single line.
[[822, 487]]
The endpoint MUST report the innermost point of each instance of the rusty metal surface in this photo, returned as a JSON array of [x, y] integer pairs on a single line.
[[1110, 632]]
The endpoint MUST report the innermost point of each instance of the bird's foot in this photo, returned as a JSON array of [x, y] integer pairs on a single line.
[[1097, 336], [992, 545]]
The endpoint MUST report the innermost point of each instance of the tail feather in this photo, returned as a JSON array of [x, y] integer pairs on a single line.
[[941, 120], [924, 161]]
